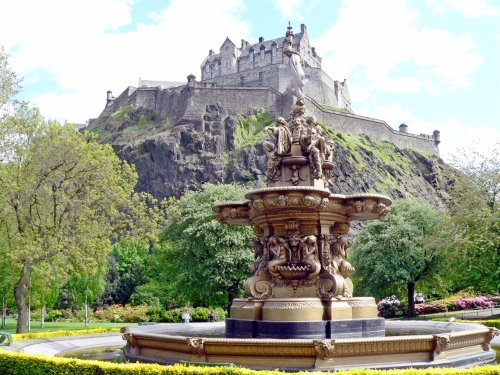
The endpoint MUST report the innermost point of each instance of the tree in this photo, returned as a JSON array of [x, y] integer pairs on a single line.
[[205, 261], [397, 250], [64, 197], [129, 267], [472, 232]]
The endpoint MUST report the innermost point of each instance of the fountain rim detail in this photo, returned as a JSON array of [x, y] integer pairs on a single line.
[[455, 344]]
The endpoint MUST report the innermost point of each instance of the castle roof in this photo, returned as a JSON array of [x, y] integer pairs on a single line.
[[268, 44], [227, 40], [245, 51]]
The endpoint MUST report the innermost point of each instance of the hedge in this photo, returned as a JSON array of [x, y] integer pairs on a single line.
[[495, 323], [61, 332], [24, 364]]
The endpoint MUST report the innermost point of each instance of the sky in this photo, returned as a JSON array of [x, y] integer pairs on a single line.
[[432, 64]]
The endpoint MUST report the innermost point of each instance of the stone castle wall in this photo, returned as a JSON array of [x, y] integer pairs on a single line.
[[188, 104]]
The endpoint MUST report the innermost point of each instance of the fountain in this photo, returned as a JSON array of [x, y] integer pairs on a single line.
[[300, 312]]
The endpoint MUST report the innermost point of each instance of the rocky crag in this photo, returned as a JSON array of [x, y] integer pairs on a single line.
[[225, 148]]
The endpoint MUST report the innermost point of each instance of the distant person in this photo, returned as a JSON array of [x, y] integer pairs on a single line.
[[185, 317], [212, 317]]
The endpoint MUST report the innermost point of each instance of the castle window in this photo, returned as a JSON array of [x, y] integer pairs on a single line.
[[261, 77], [262, 54], [242, 80], [216, 66], [275, 50], [226, 63], [207, 68]]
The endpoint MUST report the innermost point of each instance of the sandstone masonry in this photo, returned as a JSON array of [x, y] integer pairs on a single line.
[[253, 77]]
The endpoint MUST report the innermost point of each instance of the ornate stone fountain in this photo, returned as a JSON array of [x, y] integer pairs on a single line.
[[301, 284], [300, 312]]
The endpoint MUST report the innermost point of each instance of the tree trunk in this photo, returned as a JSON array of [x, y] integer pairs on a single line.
[[44, 309], [29, 313], [4, 310], [86, 312], [20, 296], [411, 299]]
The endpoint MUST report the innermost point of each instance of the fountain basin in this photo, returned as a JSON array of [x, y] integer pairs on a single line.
[[440, 344]]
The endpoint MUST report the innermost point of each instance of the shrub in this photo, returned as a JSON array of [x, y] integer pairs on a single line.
[[53, 315], [495, 300], [61, 332], [390, 307], [123, 314], [198, 314], [21, 364], [449, 302], [472, 303], [429, 308], [419, 298]]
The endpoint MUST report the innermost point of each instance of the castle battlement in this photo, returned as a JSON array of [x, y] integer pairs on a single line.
[[254, 77]]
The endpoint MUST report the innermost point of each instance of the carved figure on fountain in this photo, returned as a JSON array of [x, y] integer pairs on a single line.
[[280, 252], [277, 148], [334, 279], [310, 256]]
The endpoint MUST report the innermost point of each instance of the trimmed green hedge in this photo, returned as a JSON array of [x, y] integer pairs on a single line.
[[488, 323], [61, 332], [24, 364]]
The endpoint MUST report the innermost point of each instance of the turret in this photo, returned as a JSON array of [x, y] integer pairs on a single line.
[[403, 128], [109, 96], [436, 135], [191, 80]]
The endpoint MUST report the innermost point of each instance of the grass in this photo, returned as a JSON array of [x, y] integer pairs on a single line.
[[250, 129], [55, 326]]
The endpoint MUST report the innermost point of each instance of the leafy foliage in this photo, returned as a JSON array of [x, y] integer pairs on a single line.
[[251, 129], [205, 261], [128, 268], [65, 197], [397, 250], [471, 236]]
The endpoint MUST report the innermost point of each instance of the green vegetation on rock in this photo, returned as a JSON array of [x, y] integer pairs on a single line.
[[250, 130]]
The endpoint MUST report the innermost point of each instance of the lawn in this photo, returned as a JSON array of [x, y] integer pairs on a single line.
[[54, 326]]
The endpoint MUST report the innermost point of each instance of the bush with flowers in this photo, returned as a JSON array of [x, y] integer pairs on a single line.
[[123, 314], [480, 302], [390, 307], [429, 308]]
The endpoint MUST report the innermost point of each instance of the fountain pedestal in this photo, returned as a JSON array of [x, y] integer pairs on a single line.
[[312, 318]]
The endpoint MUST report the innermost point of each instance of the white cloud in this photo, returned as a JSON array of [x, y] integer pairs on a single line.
[[80, 45], [393, 114], [380, 37], [296, 10], [289, 9], [468, 8]]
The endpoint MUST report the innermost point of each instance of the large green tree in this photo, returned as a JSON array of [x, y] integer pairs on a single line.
[[205, 262], [64, 197], [472, 232], [397, 251]]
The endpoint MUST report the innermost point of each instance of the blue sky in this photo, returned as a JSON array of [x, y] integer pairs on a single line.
[[431, 64]]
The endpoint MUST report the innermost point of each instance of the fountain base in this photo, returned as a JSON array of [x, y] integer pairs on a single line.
[[423, 344], [334, 329], [311, 318]]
